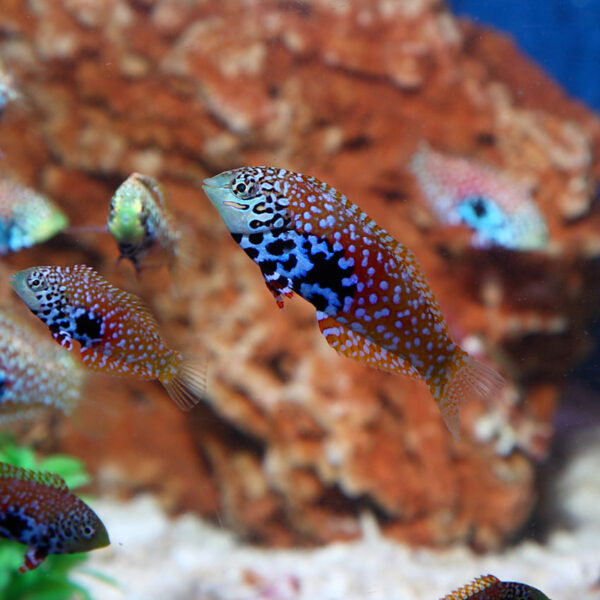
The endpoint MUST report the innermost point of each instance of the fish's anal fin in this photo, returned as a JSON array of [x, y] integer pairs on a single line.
[[34, 557], [356, 346], [483, 582]]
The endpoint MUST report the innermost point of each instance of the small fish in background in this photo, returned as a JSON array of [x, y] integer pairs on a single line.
[[37, 509], [8, 92], [488, 587], [141, 222], [35, 374], [498, 210], [26, 217], [373, 302], [117, 333]]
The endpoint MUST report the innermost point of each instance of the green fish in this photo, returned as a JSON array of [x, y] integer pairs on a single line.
[[141, 222]]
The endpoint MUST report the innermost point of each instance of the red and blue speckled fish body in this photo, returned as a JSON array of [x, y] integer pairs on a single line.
[[117, 333], [35, 374], [373, 303], [37, 509], [498, 210], [488, 587]]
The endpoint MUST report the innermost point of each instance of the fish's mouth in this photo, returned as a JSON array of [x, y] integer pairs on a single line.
[[218, 182], [235, 205]]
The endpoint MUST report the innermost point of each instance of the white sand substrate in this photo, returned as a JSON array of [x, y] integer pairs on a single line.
[[155, 558]]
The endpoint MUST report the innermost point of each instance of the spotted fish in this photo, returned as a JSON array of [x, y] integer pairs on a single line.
[[499, 211], [35, 374], [141, 222], [37, 509], [372, 300], [116, 332], [488, 587], [26, 217]]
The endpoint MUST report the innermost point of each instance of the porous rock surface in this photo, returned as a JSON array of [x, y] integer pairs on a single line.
[[294, 441]]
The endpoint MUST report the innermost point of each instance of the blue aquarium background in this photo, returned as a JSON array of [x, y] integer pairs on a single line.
[[563, 36]]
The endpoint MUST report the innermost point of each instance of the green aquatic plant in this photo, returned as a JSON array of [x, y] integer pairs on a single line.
[[51, 580]]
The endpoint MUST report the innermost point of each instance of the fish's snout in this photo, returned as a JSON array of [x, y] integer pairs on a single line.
[[220, 181], [18, 282]]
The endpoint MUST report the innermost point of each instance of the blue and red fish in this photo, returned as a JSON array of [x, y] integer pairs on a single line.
[[35, 373], [499, 211], [373, 302], [115, 330], [37, 509], [488, 587], [26, 217]]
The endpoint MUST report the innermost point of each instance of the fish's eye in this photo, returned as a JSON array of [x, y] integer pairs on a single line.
[[240, 188], [245, 189], [87, 531], [36, 281]]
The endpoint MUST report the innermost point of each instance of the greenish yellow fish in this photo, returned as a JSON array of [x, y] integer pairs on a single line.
[[142, 224]]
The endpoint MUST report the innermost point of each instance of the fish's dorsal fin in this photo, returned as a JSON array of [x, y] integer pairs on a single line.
[[405, 257], [156, 189], [88, 275], [477, 585], [52, 480]]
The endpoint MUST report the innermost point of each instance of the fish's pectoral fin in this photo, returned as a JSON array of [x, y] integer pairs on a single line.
[[63, 338], [278, 292], [354, 345], [34, 557]]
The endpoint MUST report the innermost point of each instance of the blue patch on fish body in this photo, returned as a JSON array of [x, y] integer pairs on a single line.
[[305, 264]]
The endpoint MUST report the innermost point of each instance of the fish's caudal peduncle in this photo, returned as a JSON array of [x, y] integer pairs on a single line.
[[372, 300]]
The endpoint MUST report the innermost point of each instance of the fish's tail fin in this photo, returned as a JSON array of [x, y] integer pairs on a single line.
[[189, 385], [468, 379]]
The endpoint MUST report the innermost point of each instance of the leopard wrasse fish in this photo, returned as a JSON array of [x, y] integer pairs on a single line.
[[115, 330], [141, 222], [372, 300], [488, 587], [36, 375], [499, 211], [26, 217], [37, 509]]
